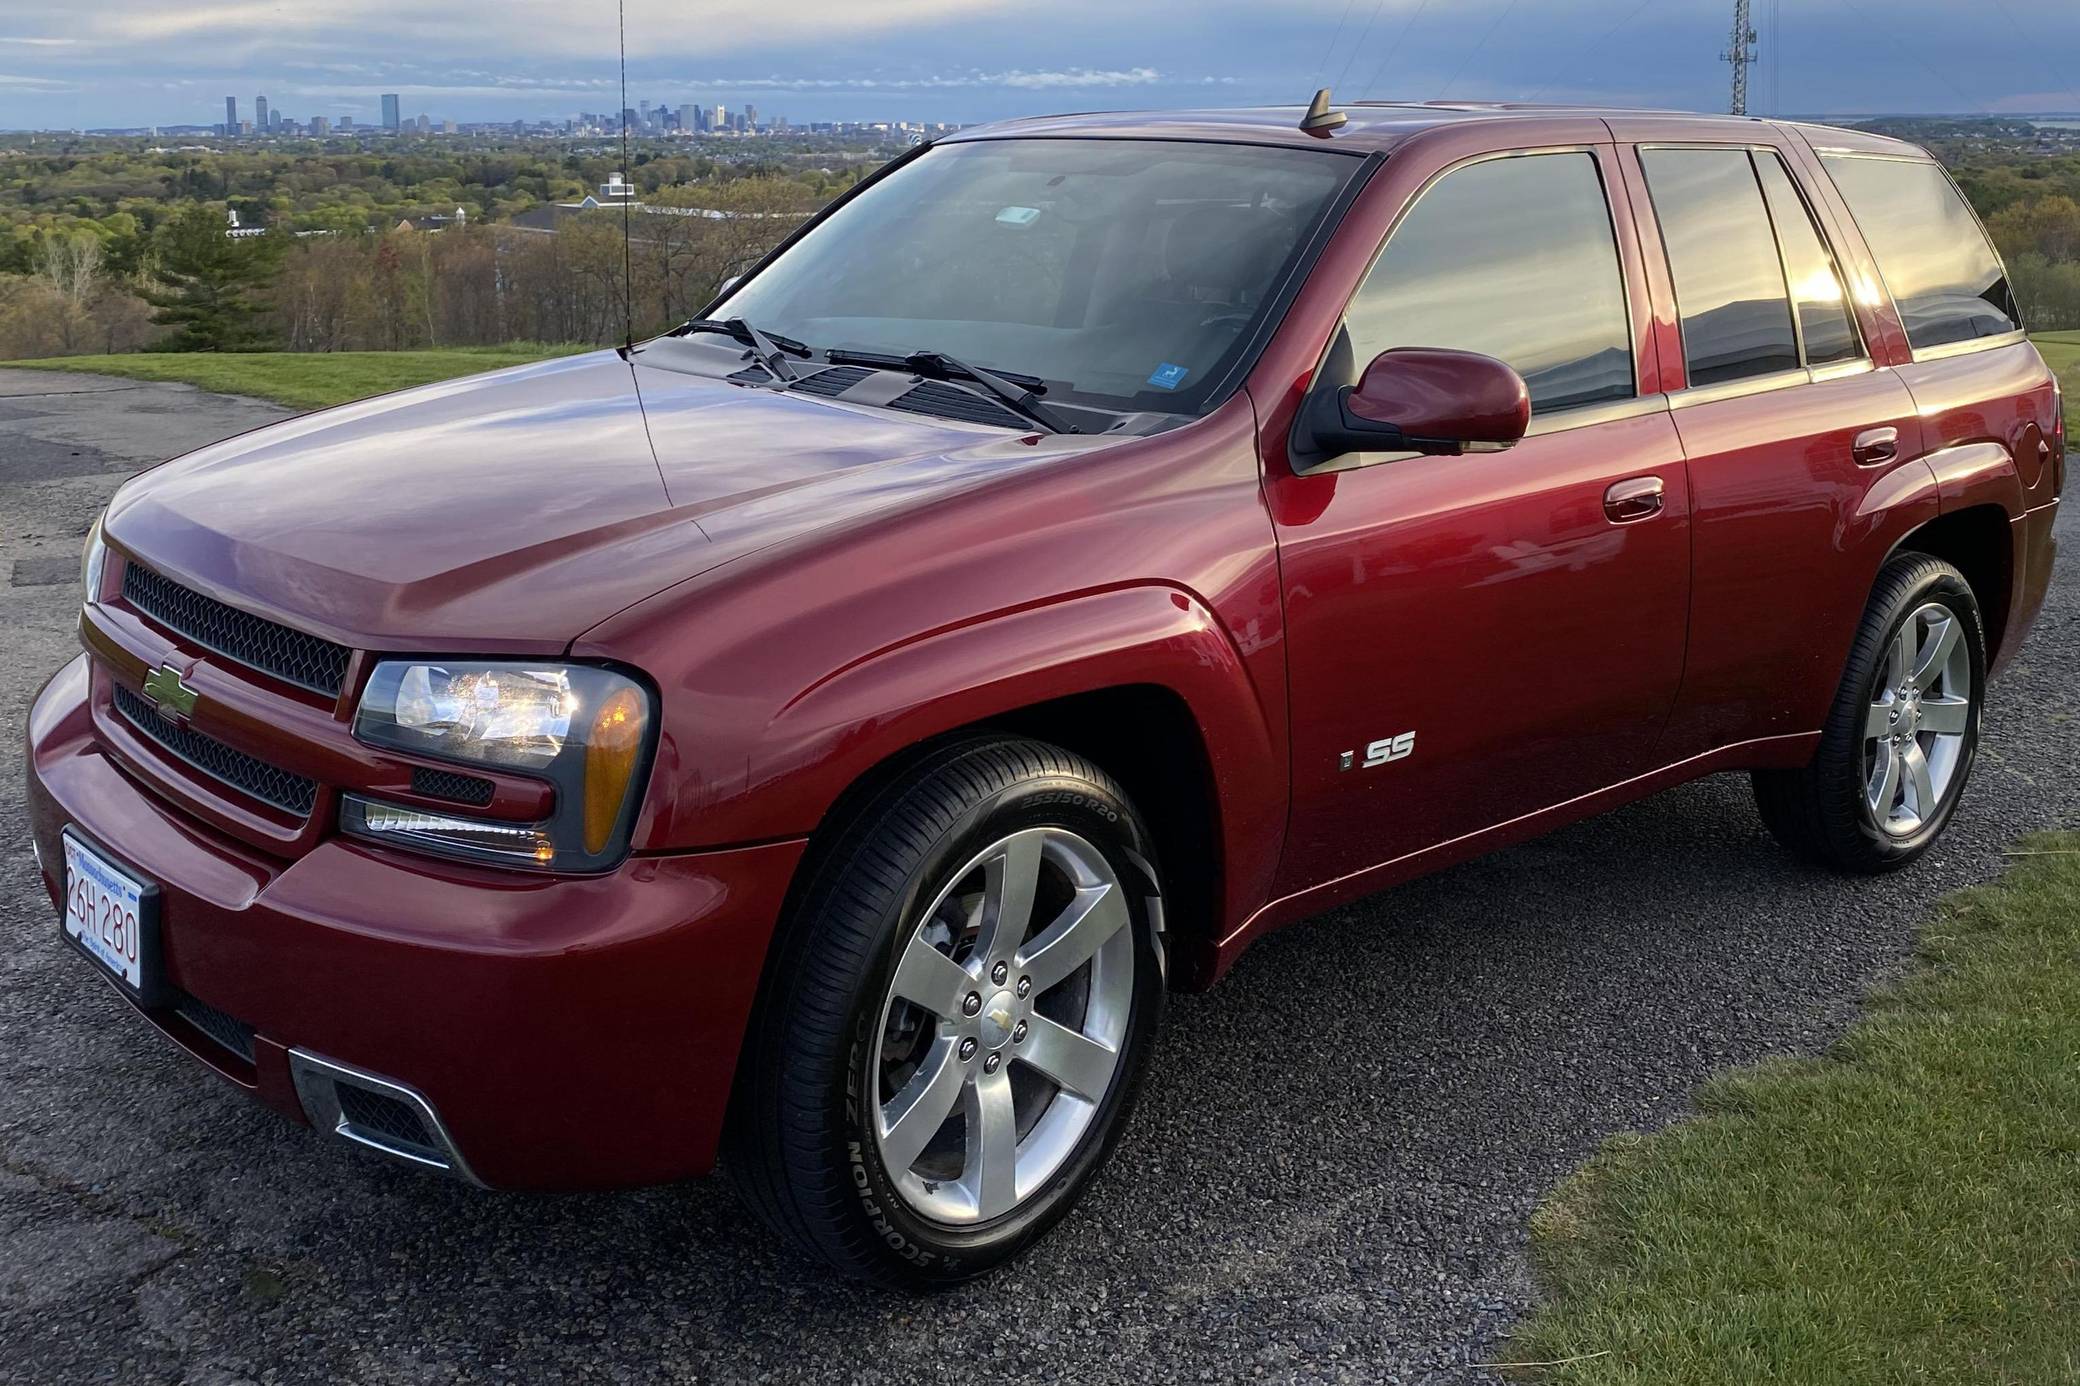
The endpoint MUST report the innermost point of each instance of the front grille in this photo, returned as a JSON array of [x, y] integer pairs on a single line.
[[379, 1114], [229, 1031], [270, 784], [952, 402], [289, 655], [446, 784]]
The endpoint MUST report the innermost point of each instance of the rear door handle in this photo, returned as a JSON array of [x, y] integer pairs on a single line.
[[1875, 446], [1628, 502]]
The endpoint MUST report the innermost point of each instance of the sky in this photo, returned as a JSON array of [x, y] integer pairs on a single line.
[[97, 63]]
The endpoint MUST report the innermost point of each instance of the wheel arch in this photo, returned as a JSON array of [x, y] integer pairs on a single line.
[[1979, 542]]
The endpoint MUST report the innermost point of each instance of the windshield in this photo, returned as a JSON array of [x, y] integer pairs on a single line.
[[1127, 275]]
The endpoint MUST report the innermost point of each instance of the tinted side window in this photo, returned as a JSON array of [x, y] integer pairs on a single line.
[[1824, 321], [1514, 258], [1723, 256], [1935, 259]]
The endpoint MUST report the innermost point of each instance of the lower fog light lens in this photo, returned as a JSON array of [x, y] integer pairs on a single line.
[[437, 832]]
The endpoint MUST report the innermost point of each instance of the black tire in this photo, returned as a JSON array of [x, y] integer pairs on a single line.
[[799, 1146], [1821, 812]]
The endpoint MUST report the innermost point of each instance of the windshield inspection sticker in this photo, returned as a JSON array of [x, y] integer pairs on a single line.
[[1019, 216], [1169, 377]]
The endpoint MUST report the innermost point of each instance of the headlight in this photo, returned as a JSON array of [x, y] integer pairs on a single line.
[[93, 560], [584, 729]]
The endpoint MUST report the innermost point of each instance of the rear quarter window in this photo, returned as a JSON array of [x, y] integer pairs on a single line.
[[1935, 259]]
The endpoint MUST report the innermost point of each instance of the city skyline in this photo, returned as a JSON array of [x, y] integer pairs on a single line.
[[133, 63]]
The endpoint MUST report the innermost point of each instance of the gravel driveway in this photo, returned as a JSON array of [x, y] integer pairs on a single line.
[[1328, 1179]]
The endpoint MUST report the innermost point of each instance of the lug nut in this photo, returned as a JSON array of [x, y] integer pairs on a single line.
[[1018, 1032], [972, 1005], [993, 1063], [1025, 985], [967, 1050], [999, 972]]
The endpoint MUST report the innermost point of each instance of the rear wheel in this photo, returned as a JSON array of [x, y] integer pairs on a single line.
[[956, 1017], [1900, 740]]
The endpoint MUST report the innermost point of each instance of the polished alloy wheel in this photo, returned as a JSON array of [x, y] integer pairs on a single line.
[[1002, 1029], [1914, 731]]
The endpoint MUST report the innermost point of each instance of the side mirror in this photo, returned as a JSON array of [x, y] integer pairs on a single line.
[[1417, 399]]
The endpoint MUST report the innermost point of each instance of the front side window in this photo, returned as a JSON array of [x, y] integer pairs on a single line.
[[1125, 274], [1722, 254], [1930, 249], [1513, 258]]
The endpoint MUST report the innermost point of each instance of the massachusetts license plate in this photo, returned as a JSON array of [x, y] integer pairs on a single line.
[[113, 917]]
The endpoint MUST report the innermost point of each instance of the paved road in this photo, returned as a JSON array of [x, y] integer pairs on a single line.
[[1328, 1180]]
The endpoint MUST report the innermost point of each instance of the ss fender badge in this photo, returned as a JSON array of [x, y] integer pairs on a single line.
[[1380, 752], [170, 693]]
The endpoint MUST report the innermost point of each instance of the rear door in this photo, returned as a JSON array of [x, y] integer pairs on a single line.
[[1804, 451], [1475, 638]]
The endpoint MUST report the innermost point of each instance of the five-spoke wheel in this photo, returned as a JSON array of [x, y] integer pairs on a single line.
[[1898, 743], [957, 1012], [1001, 1030], [1914, 731]]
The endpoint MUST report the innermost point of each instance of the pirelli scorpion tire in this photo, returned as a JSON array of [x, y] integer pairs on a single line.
[[1899, 741], [955, 1017]]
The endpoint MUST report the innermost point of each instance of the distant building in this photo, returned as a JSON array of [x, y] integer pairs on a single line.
[[321, 126], [237, 232], [230, 115], [346, 123], [437, 222], [391, 119], [260, 111], [750, 117]]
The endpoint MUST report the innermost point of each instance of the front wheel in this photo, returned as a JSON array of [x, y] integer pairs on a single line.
[[956, 1017], [1899, 742]]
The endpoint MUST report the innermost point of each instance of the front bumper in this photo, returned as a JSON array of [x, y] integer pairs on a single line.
[[570, 1032]]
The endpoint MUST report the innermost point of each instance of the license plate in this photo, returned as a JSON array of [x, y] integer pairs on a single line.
[[113, 917]]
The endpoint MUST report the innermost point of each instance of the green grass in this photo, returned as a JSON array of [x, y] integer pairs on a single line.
[[304, 380], [1905, 1209], [2062, 350]]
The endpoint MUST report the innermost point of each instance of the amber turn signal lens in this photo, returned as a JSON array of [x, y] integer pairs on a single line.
[[610, 763]]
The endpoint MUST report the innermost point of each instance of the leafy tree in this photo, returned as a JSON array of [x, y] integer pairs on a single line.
[[207, 286]]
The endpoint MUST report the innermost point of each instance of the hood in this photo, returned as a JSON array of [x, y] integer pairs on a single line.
[[514, 510]]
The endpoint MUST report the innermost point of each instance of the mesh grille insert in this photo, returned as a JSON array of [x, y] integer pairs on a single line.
[[270, 784], [835, 380], [229, 1031], [446, 784], [289, 655], [380, 1114], [950, 401]]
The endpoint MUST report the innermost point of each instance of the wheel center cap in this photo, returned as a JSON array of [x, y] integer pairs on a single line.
[[998, 1016]]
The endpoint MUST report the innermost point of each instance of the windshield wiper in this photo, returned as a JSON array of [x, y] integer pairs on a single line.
[[771, 351], [1020, 393]]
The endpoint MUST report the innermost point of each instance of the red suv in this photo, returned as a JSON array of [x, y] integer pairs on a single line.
[[822, 734]]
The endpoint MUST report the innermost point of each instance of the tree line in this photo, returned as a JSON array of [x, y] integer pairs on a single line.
[[467, 284], [127, 250]]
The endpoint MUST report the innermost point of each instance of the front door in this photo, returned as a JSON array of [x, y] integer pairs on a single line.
[[1475, 638]]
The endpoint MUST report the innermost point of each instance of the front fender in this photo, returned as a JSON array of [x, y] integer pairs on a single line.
[[822, 739]]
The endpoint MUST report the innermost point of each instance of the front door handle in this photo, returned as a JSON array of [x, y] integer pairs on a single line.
[[1876, 446], [1628, 502]]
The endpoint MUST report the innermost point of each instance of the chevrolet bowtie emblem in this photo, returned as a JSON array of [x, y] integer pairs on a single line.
[[169, 693]]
